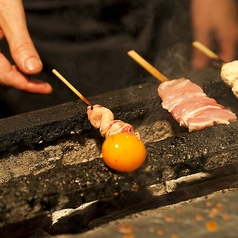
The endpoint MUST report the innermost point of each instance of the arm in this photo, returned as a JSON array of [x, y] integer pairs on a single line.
[[13, 27], [214, 20]]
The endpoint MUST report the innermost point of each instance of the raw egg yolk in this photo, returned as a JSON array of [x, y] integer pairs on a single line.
[[123, 152]]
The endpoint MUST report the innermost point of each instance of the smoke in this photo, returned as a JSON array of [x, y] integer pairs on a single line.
[[174, 41]]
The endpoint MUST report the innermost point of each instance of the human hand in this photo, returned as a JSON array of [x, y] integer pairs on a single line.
[[214, 20], [13, 27]]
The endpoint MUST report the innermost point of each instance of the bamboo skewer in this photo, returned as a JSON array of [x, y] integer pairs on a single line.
[[210, 54], [67, 83], [147, 66]]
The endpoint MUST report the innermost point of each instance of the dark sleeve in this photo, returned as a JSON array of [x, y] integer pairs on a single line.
[[87, 41]]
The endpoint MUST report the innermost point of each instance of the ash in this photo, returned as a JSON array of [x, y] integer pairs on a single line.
[[70, 151]]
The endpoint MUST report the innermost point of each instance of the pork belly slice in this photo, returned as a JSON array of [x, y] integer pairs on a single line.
[[184, 118], [179, 98], [169, 88], [190, 106], [174, 91], [210, 117], [187, 108]]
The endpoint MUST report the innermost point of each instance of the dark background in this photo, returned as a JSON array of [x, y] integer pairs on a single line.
[[87, 42]]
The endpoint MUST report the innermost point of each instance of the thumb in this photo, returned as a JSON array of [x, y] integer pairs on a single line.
[[13, 24]]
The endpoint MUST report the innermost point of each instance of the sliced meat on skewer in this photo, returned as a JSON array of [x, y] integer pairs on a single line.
[[103, 119], [191, 107], [172, 90], [186, 101], [207, 118]]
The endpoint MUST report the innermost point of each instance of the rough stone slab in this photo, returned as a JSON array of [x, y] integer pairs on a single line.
[[66, 186], [215, 216], [49, 124], [62, 186], [103, 219]]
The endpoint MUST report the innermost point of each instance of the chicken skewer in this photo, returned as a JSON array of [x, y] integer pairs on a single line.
[[122, 150], [100, 117], [103, 119], [187, 102], [229, 71]]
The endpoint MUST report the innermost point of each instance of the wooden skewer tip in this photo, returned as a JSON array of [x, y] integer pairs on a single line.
[[70, 86], [205, 50], [147, 66]]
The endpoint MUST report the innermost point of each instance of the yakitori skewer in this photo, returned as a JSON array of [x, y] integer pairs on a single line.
[[151, 69], [209, 53], [69, 85], [122, 150], [229, 71], [186, 101]]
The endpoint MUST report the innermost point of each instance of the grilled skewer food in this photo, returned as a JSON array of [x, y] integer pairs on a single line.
[[191, 107], [186, 101], [103, 119], [122, 150]]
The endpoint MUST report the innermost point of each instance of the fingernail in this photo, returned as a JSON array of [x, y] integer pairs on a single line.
[[33, 64]]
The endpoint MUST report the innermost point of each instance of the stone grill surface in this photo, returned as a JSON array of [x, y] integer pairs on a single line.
[[50, 161]]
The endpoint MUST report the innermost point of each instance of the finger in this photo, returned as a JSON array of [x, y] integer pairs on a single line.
[[13, 25], [11, 76]]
